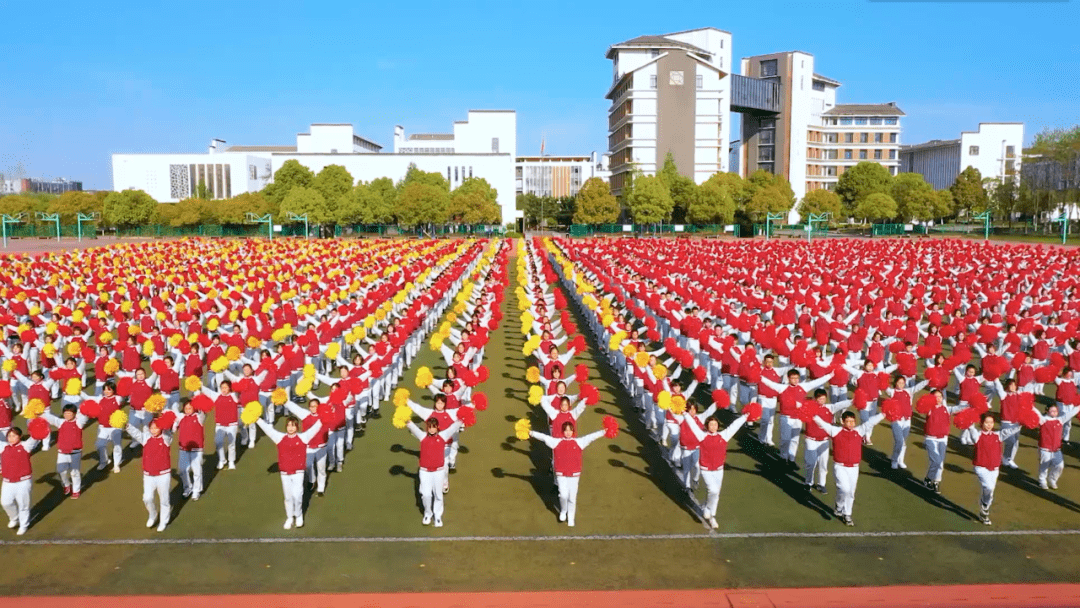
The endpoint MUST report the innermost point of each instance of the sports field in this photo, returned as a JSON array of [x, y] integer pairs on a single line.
[[636, 529]]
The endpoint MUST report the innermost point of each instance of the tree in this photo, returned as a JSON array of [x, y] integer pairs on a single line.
[[876, 206], [860, 181], [202, 192], [70, 204], [290, 175], [762, 179], [421, 203], [680, 187], [740, 189], [711, 204], [474, 202], [302, 200], [943, 204], [128, 208], [820, 201], [770, 199], [431, 178], [968, 192], [332, 182], [650, 202], [1004, 198], [1058, 144], [188, 212], [383, 199], [595, 203], [914, 197], [357, 205]]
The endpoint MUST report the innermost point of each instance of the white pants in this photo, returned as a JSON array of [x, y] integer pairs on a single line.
[[316, 467], [67, 466], [690, 470], [765, 428], [790, 431], [106, 436], [988, 481], [1010, 445], [225, 434], [1051, 464], [713, 481], [15, 498], [870, 411], [671, 435], [935, 453], [847, 478], [568, 487], [816, 458], [292, 485], [157, 484], [431, 492], [336, 445], [190, 467], [900, 431]]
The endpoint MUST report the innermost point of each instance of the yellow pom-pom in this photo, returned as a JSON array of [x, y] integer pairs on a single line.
[[134, 330], [35, 310], [73, 387], [532, 375], [192, 384], [401, 397], [522, 428], [112, 366], [233, 353], [451, 317], [253, 342], [212, 324], [279, 396], [659, 371], [663, 400], [615, 341], [303, 386], [174, 340], [105, 338], [251, 412], [369, 322], [279, 335], [536, 394], [219, 365], [50, 328], [10, 365], [118, 419], [73, 349], [154, 403], [641, 358], [78, 316], [677, 404], [309, 370], [436, 341], [402, 415], [234, 315], [49, 350], [33, 409], [148, 348], [628, 351], [607, 320], [531, 345], [424, 377], [333, 350]]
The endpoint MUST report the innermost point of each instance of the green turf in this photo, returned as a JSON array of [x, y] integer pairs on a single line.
[[503, 487]]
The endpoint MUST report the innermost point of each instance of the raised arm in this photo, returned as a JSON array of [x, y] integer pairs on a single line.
[[583, 442], [275, 435], [548, 440], [731, 429], [307, 435]]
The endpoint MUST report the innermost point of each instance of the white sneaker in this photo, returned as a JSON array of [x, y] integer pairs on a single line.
[[426, 521], [187, 493], [339, 467], [102, 466], [195, 496], [288, 524], [232, 466], [713, 523], [1053, 485], [162, 525], [895, 466], [570, 523], [220, 465], [1042, 484], [150, 522], [116, 469], [562, 516], [438, 523], [299, 522], [13, 523], [21, 531]]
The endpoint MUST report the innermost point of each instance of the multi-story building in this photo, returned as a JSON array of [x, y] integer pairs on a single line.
[[32, 185], [558, 176], [670, 94], [482, 146], [810, 139], [994, 150]]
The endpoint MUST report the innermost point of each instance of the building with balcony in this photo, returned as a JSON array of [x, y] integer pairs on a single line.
[[994, 149], [558, 176]]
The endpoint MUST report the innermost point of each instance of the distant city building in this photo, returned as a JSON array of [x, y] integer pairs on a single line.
[[995, 150], [39, 186], [558, 176]]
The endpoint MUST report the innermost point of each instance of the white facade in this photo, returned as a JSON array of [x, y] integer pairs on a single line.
[[484, 132], [994, 149], [229, 171], [10, 186], [558, 176]]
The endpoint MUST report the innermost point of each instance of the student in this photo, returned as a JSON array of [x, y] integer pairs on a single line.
[[157, 472], [690, 446], [713, 449], [292, 462], [69, 444], [17, 475], [791, 397], [847, 444], [192, 436], [316, 443], [567, 451], [1011, 406], [986, 456], [109, 403], [433, 446], [936, 441], [1051, 464], [226, 422], [901, 427], [816, 452]]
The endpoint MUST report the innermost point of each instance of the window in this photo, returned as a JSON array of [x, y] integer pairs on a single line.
[[877, 154], [765, 153], [766, 167], [675, 78], [253, 172], [849, 138], [766, 136], [890, 121], [973, 150], [768, 123], [875, 121], [862, 154], [455, 174], [879, 138], [494, 145], [845, 121], [448, 174], [470, 172], [864, 138], [818, 85], [654, 53], [518, 172], [860, 121], [652, 81], [1010, 151], [830, 155], [847, 154], [892, 154], [892, 138], [700, 81], [768, 68]]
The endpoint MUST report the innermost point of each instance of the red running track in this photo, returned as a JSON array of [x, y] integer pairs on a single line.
[[964, 596]]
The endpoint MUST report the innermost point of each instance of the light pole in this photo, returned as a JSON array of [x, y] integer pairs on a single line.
[[265, 219], [300, 218], [6, 219], [815, 217], [85, 217], [985, 217], [50, 217], [769, 219]]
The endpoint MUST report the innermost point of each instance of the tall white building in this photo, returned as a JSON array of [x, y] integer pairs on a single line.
[[558, 176], [670, 94], [482, 146], [994, 149]]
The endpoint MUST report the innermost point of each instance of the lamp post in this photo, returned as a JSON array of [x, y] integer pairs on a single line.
[[50, 217], [6, 219], [85, 217], [769, 218], [818, 218], [265, 219], [985, 217], [300, 218], [1064, 219]]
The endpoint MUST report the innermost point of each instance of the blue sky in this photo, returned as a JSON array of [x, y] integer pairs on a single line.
[[82, 83]]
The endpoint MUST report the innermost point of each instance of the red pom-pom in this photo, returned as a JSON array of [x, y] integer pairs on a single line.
[[925, 404], [807, 411], [653, 335], [977, 403], [1046, 374], [700, 374], [159, 366], [721, 398], [1029, 418], [482, 373], [670, 346], [752, 411], [686, 359], [202, 403], [123, 386], [1018, 360], [883, 380], [590, 394], [578, 344], [480, 401], [861, 400], [166, 420], [892, 409], [466, 415], [90, 408], [569, 328], [39, 428], [469, 377], [965, 418], [5, 389], [611, 427], [581, 372]]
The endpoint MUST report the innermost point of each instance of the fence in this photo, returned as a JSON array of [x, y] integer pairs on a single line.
[[32, 230], [577, 230]]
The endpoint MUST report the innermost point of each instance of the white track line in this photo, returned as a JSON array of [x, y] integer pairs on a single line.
[[594, 537]]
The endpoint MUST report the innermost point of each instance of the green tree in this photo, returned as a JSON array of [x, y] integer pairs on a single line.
[[357, 206], [943, 204], [70, 204], [383, 201], [431, 178], [914, 197], [202, 192], [650, 202], [712, 204], [595, 203], [762, 179], [290, 175], [821, 201], [128, 208], [766, 200], [234, 210], [680, 187], [189, 212], [860, 181], [968, 192], [740, 189], [332, 182], [1060, 144], [474, 202], [876, 206], [1004, 197], [421, 204], [307, 201]]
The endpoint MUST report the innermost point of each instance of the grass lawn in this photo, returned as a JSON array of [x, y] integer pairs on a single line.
[[504, 488]]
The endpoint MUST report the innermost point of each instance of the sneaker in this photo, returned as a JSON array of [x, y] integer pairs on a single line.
[[67, 490], [1053, 485], [937, 487], [426, 521], [232, 466], [150, 522], [562, 516], [438, 523], [320, 494], [821, 489], [570, 523], [74, 496], [13, 523], [288, 524], [446, 489], [187, 493], [902, 465], [453, 466], [713, 523], [195, 496], [837, 513], [300, 522], [102, 466], [1042, 484], [895, 466], [116, 469], [220, 465], [928, 483], [22, 530], [161, 526], [848, 521], [339, 467]]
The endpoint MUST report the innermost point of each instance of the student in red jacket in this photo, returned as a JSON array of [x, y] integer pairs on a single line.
[[191, 434], [1051, 464], [567, 451], [69, 444], [713, 454], [110, 402], [986, 456], [791, 397], [292, 461], [17, 475], [433, 446], [847, 444], [157, 472], [936, 441]]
